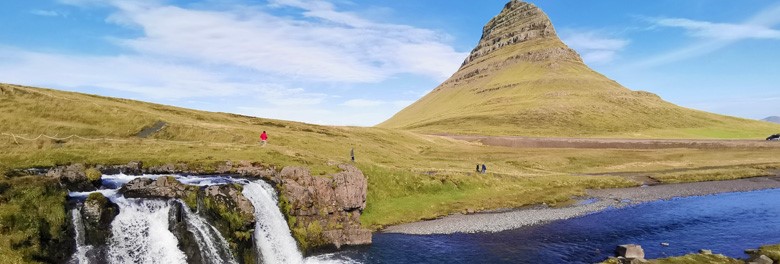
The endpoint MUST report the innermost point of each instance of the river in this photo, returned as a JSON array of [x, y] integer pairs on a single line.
[[725, 223]]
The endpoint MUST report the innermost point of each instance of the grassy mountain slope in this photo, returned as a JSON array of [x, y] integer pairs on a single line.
[[522, 80]]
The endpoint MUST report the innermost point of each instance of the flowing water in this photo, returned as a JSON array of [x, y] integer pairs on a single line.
[[213, 247], [139, 234], [81, 249], [726, 223]]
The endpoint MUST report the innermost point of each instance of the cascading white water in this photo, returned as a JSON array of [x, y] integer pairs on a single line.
[[140, 234], [272, 235], [80, 257], [213, 247]]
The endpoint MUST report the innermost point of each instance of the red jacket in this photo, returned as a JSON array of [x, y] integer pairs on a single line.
[[263, 136]]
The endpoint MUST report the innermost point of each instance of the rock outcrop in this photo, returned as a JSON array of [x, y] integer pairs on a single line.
[[98, 213], [630, 251], [519, 22], [325, 211], [233, 215], [73, 177], [162, 187]]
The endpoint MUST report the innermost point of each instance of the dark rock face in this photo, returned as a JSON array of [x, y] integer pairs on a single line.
[[326, 211], [98, 213], [187, 240], [73, 177], [163, 187]]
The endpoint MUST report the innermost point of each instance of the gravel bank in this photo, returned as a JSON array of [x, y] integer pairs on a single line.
[[600, 200]]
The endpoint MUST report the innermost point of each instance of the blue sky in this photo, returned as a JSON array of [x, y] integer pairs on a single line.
[[340, 62]]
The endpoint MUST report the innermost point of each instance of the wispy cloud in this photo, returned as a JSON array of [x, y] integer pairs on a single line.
[[720, 31], [46, 13], [594, 46], [337, 47], [714, 36]]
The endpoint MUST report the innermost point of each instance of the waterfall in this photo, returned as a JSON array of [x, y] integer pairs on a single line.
[[80, 257], [140, 234], [272, 235], [213, 247]]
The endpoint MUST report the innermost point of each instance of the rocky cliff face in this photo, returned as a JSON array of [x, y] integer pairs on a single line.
[[518, 22], [325, 211]]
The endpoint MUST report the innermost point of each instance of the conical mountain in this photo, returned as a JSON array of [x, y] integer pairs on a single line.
[[521, 79]]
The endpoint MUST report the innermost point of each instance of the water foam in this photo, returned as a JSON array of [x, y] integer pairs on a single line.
[[140, 234]]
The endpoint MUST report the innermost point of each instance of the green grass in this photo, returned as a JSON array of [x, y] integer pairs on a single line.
[[411, 176], [33, 220], [719, 174], [771, 251], [561, 98]]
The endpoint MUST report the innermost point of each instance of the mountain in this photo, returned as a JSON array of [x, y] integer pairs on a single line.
[[521, 79], [773, 119]]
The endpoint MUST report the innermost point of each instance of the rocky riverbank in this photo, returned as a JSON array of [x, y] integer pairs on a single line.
[[597, 200]]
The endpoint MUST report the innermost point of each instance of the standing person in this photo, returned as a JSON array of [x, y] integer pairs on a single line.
[[352, 154], [484, 169], [478, 168], [264, 138]]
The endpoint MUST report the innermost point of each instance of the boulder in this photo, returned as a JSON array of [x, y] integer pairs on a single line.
[[73, 177], [325, 210], [630, 251], [761, 259], [98, 212], [705, 252], [163, 187]]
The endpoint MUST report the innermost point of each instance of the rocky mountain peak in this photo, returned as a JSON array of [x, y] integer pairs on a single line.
[[518, 22]]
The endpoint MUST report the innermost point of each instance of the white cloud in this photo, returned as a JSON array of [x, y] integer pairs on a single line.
[[721, 31], [338, 47], [594, 46], [362, 103]]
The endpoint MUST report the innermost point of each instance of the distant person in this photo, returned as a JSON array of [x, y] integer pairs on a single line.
[[264, 138], [478, 170], [352, 154], [484, 169]]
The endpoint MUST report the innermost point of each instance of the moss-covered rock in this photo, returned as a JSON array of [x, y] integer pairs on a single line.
[[98, 213], [233, 215], [324, 211]]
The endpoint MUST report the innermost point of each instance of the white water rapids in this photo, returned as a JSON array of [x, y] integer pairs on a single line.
[[139, 234]]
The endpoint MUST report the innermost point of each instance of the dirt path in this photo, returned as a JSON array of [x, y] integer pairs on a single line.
[[598, 143]]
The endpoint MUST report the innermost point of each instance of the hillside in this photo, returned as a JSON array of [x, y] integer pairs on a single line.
[[522, 80], [773, 119]]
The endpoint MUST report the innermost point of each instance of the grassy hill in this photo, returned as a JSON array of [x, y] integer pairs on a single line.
[[411, 176], [522, 80]]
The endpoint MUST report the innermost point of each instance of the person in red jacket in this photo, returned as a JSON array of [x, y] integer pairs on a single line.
[[264, 138]]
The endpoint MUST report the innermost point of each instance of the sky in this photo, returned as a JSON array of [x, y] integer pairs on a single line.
[[342, 62]]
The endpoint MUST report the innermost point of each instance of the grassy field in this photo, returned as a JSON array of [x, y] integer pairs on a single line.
[[411, 176]]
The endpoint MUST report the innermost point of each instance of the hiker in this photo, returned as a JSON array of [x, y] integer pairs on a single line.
[[484, 169], [478, 168], [352, 154], [264, 138]]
